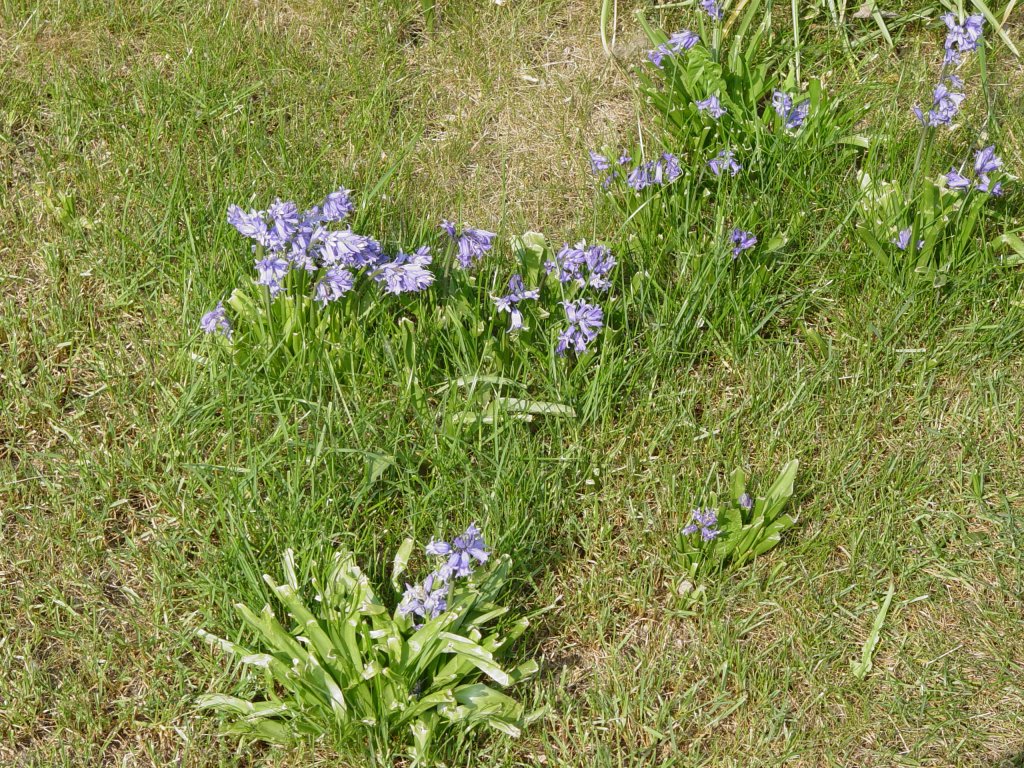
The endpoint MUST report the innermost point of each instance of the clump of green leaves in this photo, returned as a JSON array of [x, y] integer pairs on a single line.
[[733, 533], [346, 667]]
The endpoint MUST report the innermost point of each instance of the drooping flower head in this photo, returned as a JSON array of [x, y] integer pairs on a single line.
[[724, 160], [962, 38], [462, 553], [746, 501], [792, 116], [270, 271], [945, 104], [663, 170], [472, 243], [407, 272], [703, 520], [598, 163], [336, 282], [585, 265], [517, 292], [712, 9], [427, 600], [712, 106], [337, 205], [585, 321], [284, 223], [956, 180], [902, 239], [250, 224], [346, 248], [683, 40], [742, 241], [216, 321]]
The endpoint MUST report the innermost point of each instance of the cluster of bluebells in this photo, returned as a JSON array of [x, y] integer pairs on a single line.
[[962, 38], [793, 114], [712, 106], [986, 162], [285, 239], [472, 243], [945, 103], [681, 41], [724, 161], [586, 267], [655, 173], [703, 520], [509, 303], [599, 164], [429, 599]]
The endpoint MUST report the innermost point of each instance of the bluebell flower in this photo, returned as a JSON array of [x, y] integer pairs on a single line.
[[216, 321], [337, 205], [346, 248], [472, 243], [962, 38], [284, 223], [955, 180], [461, 554], [902, 239], [792, 116], [664, 170], [741, 241], [427, 600], [683, 40], [598, 163], [517, 292], [585, 321], [585, 265], [945, 105], [724, 160], [746, 501], [270, 271], [712, 9], [336, 282], [986, 161], [703, 520], [406, 273], [712, 106], [625, 158], [250, 224]]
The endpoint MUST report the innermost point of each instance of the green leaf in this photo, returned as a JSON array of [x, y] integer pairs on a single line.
[[401, 561], [861, 668]]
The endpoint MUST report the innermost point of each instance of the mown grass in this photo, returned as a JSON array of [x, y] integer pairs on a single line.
[[145, 484]]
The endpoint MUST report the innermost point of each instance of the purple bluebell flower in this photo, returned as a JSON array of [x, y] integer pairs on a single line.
[[348, 249], [625, 158], [712, 106], [746, 501], [336, 282], [683, 40], [585, 321], [461, 553], [664, 170], [472, 243], [742, 241], [997, 189], [517, 292], [406, 273], [216, 321], [962, 38], [724, 160], [986, 161], [598, 163], [337, 205], [270, 271], [250, 224], [902, 239], [945, 105], [955, 180], [284, 223], [703, 520], [792, 116], [712, 9], [427, 600], [586, 265]]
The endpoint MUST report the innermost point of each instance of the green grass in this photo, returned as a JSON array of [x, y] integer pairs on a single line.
[[146, 482]]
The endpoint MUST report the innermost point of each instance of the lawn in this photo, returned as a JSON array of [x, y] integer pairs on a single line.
[[149, 476]]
